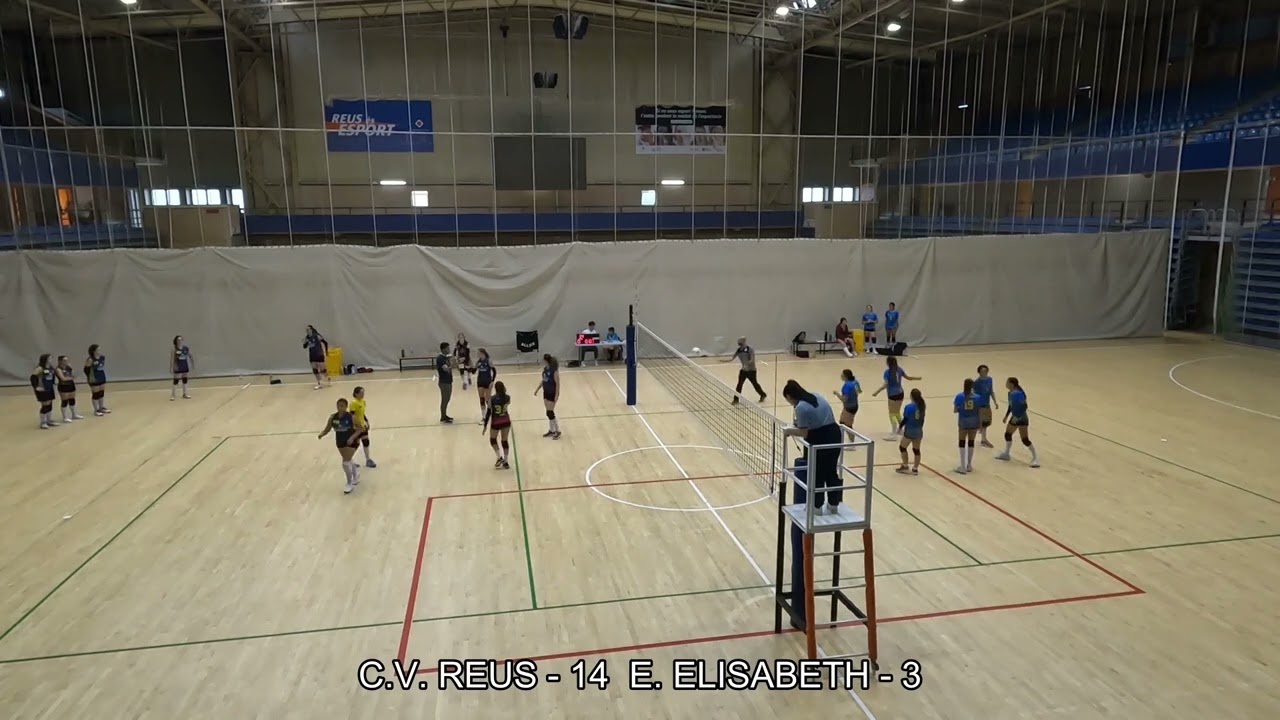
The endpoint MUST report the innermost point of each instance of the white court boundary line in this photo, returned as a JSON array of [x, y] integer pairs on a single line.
[[711, 508], [660, 508], [1210, 398]]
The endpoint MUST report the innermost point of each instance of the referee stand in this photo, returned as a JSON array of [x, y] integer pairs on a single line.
[[799, 602]]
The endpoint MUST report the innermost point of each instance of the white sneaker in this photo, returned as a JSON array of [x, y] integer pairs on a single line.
[[1001, 456], [891, 437], [346, 490], [833, 509], [53, 423], [1035, 463], [44, 426], [77, 416], [316, 386], [186, 396], [848, 352]]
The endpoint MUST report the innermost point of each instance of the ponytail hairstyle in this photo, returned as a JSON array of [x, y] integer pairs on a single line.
[[551, 362], [499, 388], [43, 361], [93, 350], [176, 338], [846, 374], [1012, 384], [894, 370], [968, 386], [482, 353], [917, 397], [794, 391]]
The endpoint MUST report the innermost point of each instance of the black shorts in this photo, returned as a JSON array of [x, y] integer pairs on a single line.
[[66, 387], [315, 358], [1020, 421], [484, 381], [549, 393], [181, 369], [44, 396], [898, 397], [851, 410], [343, 439]]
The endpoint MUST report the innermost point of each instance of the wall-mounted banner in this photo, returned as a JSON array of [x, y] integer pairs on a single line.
[[681, 129], [390, 126]]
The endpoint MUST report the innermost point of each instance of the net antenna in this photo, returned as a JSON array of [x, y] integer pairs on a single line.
[[750, 433]]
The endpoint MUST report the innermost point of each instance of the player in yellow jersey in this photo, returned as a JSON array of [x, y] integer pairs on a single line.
[[359, 410]]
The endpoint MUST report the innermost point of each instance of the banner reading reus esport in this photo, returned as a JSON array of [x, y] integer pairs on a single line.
[[681, 129], [391, 126]]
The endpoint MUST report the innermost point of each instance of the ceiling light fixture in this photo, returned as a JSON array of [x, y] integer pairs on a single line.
[[893, 27], [782, 11], [392, 183]]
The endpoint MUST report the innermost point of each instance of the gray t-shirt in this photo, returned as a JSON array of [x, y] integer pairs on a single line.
[[747, 357]]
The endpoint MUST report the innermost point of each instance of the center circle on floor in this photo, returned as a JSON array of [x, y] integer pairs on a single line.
[[601, 489]]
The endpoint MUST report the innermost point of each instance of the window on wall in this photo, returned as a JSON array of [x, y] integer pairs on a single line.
[[648, 198], [844, 194], [199, 197], [814, 195], [135, 208], [420, 198], [237, 198]]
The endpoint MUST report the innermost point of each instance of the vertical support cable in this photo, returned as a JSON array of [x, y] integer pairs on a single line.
[[4, 165], [145, 121], [413, 145], [368, 137], [44, 124], [728, 137], [328, 174], [1182, 146], [797, 208], [835, 124], [454, 135], [235, 103], [760, 102], [656, 101], [493, 158], [1115, 107], [1092, 125], [613, 113], [533, 130], [66, 136], [693, 157], [1004, 120], [1263, 181], [573, 166], [1231, 166], [1160, 137], [186, 120], [285, 171]]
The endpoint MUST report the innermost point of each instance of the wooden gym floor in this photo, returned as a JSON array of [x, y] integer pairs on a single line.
[[197, 559]]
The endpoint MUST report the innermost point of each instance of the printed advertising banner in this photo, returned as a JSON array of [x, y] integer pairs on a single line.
[[681, 129], [390, 126]]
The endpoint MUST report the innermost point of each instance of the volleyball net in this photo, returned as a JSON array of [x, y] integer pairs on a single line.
[[747, 431]]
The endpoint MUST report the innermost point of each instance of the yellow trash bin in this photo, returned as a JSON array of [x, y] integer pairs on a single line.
[[333, 361], [859, 341]]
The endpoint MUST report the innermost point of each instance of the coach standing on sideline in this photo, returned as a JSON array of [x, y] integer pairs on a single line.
[[816, 423], [445, 381], [747, 356]]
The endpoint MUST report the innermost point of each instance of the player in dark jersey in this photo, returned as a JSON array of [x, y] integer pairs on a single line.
[[550, 389], [347, 434], [66, 376], [485, 375], [317, 350], [43, 381], [95, 374], [462, 354], [180, 363], [497, 418]]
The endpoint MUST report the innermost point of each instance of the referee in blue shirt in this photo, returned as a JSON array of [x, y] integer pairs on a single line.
[[816, 423]]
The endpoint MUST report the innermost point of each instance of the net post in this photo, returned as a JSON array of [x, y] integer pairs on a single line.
[[810, 623], [630, 353]]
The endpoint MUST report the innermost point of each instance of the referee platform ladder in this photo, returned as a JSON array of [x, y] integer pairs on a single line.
[[803, 521]]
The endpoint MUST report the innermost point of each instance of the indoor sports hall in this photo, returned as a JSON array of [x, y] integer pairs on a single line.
[[239, 237]]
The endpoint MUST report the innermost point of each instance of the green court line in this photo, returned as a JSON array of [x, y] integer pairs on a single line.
[[111, 540], [1157, 457], [524, 523], [913, 516], [616, 601]]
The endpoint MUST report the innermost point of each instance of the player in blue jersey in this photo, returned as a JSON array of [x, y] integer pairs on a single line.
[[43, 382], [317, 350], [893, 377], [1018, 417], [966, 408], [869, 320], [549, 387], [180, 364], [891, 325], [912, 433], [95, 373], [984, 387], [848, 394], [348, 433], [486, 373]]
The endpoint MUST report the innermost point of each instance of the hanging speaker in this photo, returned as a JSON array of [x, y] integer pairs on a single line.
[[552, 78], [560, 26], [580, 24], [539, 80]]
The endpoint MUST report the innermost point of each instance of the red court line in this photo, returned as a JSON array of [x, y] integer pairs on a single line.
[[1038, 531], [413, 585], [763, 633]]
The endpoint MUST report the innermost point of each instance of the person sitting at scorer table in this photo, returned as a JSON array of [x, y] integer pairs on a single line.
[[613, 347], [589, 332]]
